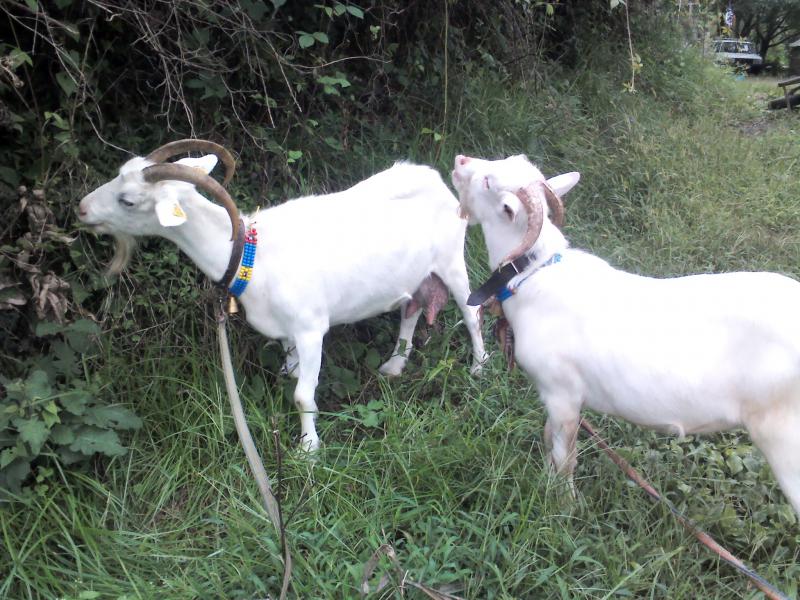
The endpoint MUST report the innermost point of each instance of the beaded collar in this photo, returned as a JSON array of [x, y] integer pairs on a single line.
[[245, 272]]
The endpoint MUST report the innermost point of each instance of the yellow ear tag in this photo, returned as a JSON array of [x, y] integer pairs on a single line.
[[170, 213]]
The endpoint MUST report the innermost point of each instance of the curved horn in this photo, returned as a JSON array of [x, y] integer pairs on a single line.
[[555, 204], [535, 213], [160, 155], [177, 172]]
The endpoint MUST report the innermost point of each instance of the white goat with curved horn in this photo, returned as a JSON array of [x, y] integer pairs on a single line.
[[394, 240], [688, 355]]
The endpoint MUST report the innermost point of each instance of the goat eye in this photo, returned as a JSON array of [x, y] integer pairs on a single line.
[[125, 202], [486, 183]]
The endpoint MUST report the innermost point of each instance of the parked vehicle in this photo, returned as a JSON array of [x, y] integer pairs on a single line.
[[739, 53]]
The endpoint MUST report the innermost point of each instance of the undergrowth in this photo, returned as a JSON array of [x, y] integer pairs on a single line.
[[686, 175]]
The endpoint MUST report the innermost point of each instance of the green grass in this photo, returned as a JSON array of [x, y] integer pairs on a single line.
[[447, 468]]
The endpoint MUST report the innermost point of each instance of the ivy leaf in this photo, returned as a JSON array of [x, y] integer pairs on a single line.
[[66, 83], [69, 457], [37, 386], [15, 390], [306, 39], [372, 419], [50, 419], [7, 456], [375, 404], [17, 57], [256, 10], [113, 416], [372, 359], [334, 143], [7, 437], [65, 361], [320, 37], [75, 401], [44, 328], [735, 464], [80, 334], [33, 431], [356, 12], [14, 474], [89, 440], [62, 435]]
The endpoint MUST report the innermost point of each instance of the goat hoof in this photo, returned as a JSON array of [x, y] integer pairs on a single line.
[[392, 367]]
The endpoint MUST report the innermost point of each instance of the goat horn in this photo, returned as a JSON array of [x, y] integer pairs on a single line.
[[177, 172], [171, 149], [555, 204], [535, 220]]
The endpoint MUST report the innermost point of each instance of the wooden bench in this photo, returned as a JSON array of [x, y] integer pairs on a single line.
[[786, 84]]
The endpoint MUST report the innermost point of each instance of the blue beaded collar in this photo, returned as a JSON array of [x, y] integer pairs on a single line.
[[245, 272]]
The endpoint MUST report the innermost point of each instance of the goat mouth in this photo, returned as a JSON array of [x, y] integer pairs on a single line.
[[98, 227]]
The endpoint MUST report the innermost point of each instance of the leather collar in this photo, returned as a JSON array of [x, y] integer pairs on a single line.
[[497, 285], [236, 258], [498, 280]]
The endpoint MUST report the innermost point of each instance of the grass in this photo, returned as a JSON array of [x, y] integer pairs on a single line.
[[446, 468]]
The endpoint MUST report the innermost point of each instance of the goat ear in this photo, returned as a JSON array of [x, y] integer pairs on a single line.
[[169, 210], [561, 184], [205, 163], [510, 205]]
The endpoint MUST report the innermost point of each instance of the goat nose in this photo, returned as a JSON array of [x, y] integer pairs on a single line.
[[462, 160]]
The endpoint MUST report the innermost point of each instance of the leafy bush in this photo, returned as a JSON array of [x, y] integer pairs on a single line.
[[50, 407], [40, 417]]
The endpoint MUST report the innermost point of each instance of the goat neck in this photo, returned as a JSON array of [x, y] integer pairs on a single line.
[[499, 243], [205, 236]]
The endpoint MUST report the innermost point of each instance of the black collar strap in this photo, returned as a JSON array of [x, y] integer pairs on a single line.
[[236, 258], [498, 280]]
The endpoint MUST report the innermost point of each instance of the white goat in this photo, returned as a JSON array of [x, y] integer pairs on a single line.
[[688, 355], [394, 240]]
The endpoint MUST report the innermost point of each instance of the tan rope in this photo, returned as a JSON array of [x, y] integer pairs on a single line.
[[271, 504], [769, 590]]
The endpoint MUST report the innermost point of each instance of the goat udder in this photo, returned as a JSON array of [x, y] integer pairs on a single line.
[[431, 296]]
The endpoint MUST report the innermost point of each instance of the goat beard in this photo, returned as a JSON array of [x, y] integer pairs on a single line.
[[124, 246]]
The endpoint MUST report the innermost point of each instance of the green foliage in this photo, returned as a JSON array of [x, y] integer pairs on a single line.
[[40, 417], [770, 23], [52, 412], [687, 174]]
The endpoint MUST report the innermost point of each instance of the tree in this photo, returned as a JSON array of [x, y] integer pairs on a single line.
[[770, 22]]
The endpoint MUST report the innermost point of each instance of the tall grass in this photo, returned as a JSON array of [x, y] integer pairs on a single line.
[[686, 175]]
